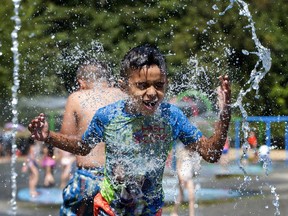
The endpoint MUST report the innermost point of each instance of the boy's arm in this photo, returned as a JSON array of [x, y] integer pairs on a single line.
[[211, 148], [39, 130]]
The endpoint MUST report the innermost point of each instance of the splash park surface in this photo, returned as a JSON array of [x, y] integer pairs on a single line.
[[45, 196], [201, 194], [216, 196], [53, 195]]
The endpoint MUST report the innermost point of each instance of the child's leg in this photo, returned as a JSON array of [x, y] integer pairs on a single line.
[[255, 159], [191, 192], [49, 178], [33, 180], [179, 199], [48, 163]]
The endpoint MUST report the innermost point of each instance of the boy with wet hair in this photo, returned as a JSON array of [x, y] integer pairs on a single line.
[[139, 133]]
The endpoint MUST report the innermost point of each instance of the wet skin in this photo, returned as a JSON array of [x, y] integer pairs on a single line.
[[146, 89]]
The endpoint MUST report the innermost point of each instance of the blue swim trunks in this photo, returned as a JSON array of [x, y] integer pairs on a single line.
[[81, 189]]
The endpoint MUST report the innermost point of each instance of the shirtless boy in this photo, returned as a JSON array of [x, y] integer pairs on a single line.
[[94, 92]]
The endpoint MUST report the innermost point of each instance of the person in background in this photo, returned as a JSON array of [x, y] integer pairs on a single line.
[[1, 145], [32, 165], [7, 137], [48, 163], [187, 167], [253, 142], [66, 162], [94, 92], [187, 162], [224, 160]]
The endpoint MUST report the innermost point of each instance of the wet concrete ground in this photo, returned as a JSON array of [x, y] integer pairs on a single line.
[[255, 196]]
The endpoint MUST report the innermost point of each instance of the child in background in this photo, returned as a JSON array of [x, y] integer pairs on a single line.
[[32, 165], [48, 163], [252, 140], [95, 91], [139, 133], [66, 162], [224, 160], [187, 166]]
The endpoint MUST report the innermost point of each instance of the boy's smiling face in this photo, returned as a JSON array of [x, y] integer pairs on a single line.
[[146, 89]]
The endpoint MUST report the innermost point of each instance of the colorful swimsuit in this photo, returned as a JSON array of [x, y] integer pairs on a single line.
[[136, 150], [81, 189]]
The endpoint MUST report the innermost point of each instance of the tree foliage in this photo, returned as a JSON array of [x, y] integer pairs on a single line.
[[199, 42]]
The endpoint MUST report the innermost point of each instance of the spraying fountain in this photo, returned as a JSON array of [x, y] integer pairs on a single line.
[[261, 68], [14, 102]]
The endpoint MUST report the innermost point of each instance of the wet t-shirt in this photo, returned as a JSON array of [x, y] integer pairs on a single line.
[[136, 150]]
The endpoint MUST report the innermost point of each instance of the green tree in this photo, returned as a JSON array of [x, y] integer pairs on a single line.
[[56, 35]]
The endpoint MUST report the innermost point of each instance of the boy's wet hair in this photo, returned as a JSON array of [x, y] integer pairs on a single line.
[[93, 70], [140, 56]]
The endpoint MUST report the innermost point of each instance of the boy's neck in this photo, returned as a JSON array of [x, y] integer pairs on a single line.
[[129, 109]]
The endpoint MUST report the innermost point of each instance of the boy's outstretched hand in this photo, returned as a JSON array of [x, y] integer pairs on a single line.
[[211, 148], [38, 128], [224, 94]]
